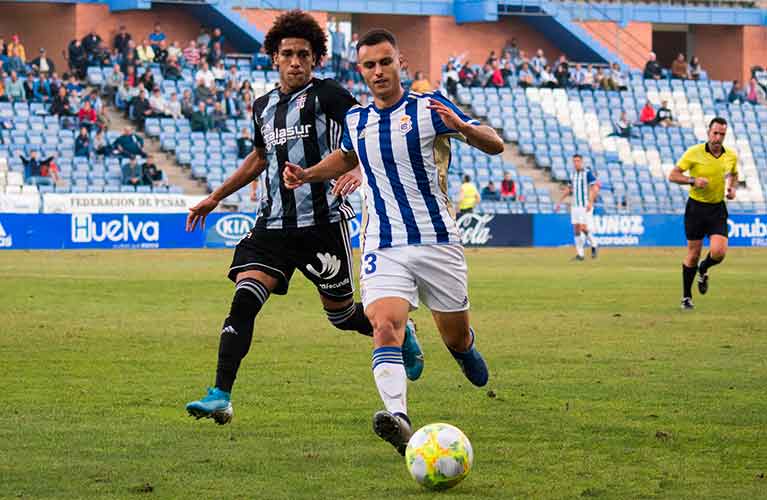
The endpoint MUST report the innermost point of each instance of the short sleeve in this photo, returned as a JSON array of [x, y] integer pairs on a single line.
[[346, 139], [590, 177], [258, 138], [686, 161], [734, 167], [335, 101], [439, 126]]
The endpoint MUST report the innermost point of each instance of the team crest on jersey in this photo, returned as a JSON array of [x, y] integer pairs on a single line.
[[301, 101], [405, 124]]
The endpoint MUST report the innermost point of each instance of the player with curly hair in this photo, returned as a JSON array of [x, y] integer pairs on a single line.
[[301, 122]]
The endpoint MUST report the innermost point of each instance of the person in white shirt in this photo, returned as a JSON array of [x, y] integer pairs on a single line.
[[158, 103], [205, 77], [174, 107]]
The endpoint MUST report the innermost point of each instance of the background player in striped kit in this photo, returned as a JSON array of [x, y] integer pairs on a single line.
[[302, 229], [411, 246], [584, 189]]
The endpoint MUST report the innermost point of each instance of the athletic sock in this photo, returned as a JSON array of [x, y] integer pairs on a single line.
[[688, 276], [590, 239], [351, 317], [389, 374], [237, 332], [707, 263], [579, 242]]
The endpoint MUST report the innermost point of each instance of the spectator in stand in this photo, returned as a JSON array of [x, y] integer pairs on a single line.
[[3, 97], [491, 58], [114, 81], [539, 62], [145, 53], [246, 106], [616, 80], [215, 55], [100, 144], [508, 187], [102, 57], [42, 90], [129, 61], [244, 143], [694, 68], [158, 104], [485, 76], [490, 193], [219, 74], [90, 43], [28, 92], [87, 116], [175, 50], [15, 61], [140, 109], [679, 69], [233, 81], [77, 58], [420, 84], [511, 50], [203, 38], [338, 45], [129, 144], [246, 87], [151, 175], [200, 121], [157, 36], [262, 61], [600, 80], [469, 196], [219, 118], [547, 78], [525, 77], [15, 46], [132, 174], [83, 143], [754, 93], [60, 105], [647, 115], [161, 53], [351, 56], [34, 171], [664, 117], [562, 72], [121, 40], [187, 104], [229, 104], [736, 93], [174, 107], [14, 89], [216, 38], [172, 69], [147, 80], [205, 77], [507, 73], [652, 70], [521, 59], [467, 75], [42, 64], [622, 127]]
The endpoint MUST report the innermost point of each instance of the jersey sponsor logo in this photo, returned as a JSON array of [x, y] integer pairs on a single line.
[[331, 265], [234, 227], [332, 286], [405, 124], [6, 240], [280, 136], [117, 230], [474, 229]]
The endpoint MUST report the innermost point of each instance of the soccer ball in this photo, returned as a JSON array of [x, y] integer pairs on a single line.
[[439, 456]]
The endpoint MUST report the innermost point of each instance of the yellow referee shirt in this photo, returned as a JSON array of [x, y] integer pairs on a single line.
[[469, 196], [699, 162]]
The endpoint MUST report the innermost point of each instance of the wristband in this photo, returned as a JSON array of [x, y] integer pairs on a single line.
[[691, 182]]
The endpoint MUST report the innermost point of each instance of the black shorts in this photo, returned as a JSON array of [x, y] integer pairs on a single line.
[[704, 219], [322, 253]]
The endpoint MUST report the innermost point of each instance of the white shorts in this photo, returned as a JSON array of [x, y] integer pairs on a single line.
[[434, 273], [579, 215]]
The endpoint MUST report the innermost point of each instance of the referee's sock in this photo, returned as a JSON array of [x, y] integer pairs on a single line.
[[688, 276], [708, 262]]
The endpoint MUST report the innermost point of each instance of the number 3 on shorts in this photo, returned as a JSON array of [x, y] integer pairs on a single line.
[[370, 263]]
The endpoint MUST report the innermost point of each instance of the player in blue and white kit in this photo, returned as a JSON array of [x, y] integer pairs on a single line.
[[411, 248], [584, 189]]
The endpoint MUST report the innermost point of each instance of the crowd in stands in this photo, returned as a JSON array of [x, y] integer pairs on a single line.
[[470, 196]]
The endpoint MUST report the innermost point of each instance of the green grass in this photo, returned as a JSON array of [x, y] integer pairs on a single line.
[[603, 387]]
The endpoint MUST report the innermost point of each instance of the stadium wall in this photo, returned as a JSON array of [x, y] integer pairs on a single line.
[[49, 25], [729, 52], [632, 43]]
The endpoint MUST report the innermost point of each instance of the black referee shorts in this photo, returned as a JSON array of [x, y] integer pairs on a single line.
[[704, 219], [322, 253]]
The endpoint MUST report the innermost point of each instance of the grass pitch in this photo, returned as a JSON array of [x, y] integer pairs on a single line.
[[600, 386]]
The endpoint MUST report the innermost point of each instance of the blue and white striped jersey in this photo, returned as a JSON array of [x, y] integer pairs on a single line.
[[404, 151], [581, 182]]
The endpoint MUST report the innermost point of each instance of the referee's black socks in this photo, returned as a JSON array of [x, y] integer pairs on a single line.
[[688, 276], [708, 262]]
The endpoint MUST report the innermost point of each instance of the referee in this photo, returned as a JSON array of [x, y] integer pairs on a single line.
[[707, 166]]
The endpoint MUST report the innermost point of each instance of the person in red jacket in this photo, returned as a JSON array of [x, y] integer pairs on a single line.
[[508, 187], [647, 115], [87, 115]]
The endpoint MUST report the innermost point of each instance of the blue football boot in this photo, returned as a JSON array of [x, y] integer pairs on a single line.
[[472, 364], [412, 355], [215, 405]]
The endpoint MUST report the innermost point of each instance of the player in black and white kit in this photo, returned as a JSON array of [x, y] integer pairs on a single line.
[[301, 122]]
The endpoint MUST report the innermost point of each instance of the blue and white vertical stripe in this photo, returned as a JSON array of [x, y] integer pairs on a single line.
[[391, 355], [404, 198], [581, 182]]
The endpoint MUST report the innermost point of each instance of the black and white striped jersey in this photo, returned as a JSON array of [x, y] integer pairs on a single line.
[[301, 127]]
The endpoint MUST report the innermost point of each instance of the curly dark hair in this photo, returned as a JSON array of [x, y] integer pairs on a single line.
[[297, 24]]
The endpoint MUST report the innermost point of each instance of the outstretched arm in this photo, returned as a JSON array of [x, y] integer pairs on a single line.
[[333, 166], [481, 137]]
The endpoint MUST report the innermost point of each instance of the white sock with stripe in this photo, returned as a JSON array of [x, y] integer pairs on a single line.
[[580, 240], [389, 374]]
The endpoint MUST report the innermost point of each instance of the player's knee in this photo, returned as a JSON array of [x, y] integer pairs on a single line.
[[384, 331]]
